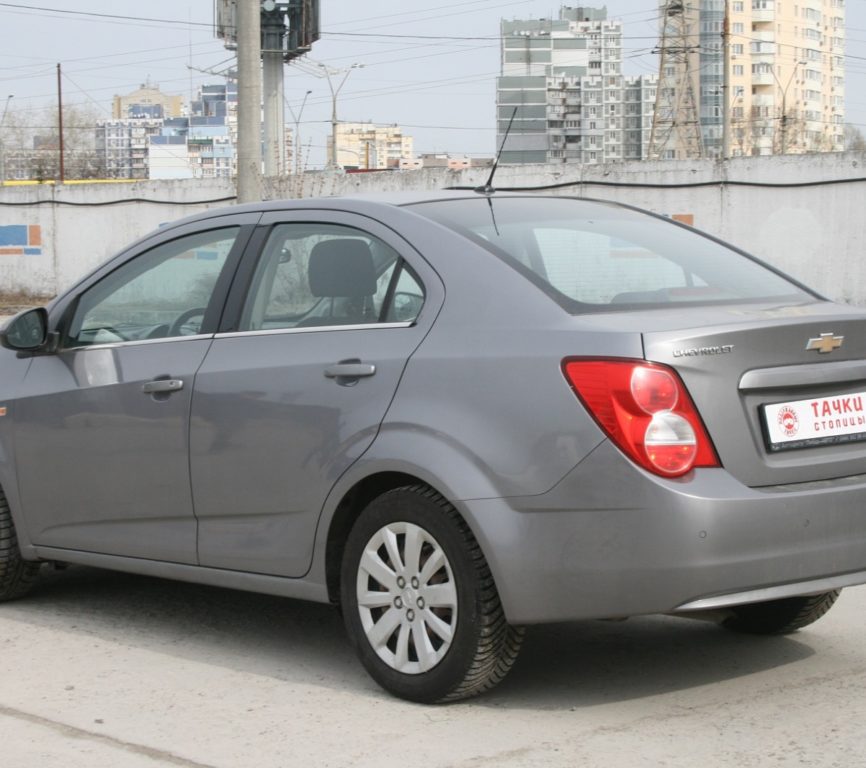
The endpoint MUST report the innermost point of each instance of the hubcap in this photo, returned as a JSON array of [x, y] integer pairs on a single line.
[[407, 598]]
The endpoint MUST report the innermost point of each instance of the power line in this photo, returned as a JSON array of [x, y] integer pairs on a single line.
[[115, 16], [45, 62]]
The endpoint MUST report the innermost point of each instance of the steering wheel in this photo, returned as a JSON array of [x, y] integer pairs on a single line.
[[184, 318]]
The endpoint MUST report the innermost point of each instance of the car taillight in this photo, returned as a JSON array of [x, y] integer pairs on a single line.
[[647, 412]]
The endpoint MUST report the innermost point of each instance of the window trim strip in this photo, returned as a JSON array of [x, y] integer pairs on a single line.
[[314, 329], [135, 343]]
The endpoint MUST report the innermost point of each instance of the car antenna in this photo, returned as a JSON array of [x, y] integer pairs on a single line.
[[488, 189]]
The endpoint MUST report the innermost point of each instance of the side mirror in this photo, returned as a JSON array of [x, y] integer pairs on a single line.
[[27, 331]]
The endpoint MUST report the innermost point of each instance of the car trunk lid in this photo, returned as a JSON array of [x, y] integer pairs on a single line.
[[781, 390]]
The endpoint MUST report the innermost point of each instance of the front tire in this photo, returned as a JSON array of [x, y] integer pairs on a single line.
[[17, 575], [419, 601], [780, 617]]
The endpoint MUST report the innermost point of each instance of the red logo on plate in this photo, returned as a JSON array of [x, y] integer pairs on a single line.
[[788, 421]]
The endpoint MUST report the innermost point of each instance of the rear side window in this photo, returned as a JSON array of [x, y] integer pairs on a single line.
[[325, 275], [597, 256]]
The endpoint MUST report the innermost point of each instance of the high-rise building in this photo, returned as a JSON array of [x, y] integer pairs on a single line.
[[367, 146], [148, 101], [150, 143], [786, 74], [562, 83], [123, 146]]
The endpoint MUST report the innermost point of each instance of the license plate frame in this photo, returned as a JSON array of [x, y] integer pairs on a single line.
[[816, 421]]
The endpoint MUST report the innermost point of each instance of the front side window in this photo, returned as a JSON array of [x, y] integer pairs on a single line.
[[321, 275], [161, 293], [595, 256]]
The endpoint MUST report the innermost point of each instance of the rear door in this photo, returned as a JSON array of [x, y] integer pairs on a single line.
[[293, 392]]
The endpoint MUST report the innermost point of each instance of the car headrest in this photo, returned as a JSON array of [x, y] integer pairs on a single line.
[[342, 267]]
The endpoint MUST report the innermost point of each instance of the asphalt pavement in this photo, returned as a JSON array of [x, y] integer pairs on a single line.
[[102, 669]]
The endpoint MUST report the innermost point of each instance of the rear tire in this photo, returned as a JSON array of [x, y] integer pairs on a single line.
[[17, 575], [780, 617], [419, 601]]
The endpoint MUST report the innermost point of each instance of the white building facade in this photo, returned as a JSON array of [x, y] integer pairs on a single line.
[[369, 147], [785, 65]]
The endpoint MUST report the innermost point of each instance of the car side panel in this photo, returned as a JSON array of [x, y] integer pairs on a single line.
[[613, 541], [12, 372], [271, 435], [102, 466]]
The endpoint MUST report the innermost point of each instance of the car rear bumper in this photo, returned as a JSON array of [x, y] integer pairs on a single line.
[[612, 541]]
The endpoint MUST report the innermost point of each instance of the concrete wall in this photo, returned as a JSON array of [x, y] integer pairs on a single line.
[[51, 236], [803, 214]]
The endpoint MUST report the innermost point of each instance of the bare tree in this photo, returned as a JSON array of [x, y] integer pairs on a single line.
[[854, 138], [32, 145]]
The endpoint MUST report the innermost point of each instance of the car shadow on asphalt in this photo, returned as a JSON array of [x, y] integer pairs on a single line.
[[561, 666], [598, 662]]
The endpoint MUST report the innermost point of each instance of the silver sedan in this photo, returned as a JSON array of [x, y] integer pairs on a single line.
[[453, 416]]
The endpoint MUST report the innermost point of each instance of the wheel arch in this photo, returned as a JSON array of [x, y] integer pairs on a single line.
[[346, 513], [402, 454], [9, 490]]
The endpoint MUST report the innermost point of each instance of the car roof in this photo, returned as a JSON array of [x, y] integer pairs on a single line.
[[369, 202]]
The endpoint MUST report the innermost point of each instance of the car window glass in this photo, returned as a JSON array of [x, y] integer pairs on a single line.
[[407, 300], [596, 268], [161, 293], [588, 255], [321, 275]]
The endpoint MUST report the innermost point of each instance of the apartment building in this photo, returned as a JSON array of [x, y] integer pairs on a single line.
[[562, 83], [123, 146], [786, 73], [368, 146], [795, 76], [147, 101]]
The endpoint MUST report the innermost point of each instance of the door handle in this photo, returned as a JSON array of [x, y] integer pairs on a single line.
[[162, 385], [350, 370]]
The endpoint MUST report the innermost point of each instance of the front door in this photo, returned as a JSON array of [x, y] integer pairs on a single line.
[[101, 432]]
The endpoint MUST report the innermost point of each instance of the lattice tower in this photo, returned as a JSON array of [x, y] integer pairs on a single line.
[[676, 119]]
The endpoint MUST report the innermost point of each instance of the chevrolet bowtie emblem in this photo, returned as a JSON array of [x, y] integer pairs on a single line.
[[825, 343]]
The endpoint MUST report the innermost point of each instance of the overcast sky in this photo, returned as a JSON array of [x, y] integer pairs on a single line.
[[430, 67]]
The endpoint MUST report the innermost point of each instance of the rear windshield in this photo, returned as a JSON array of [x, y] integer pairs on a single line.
[[592, 256]]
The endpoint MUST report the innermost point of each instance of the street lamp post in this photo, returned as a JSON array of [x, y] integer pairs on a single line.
[[334, 93], [297, 137], [3, 140], [784, 101]]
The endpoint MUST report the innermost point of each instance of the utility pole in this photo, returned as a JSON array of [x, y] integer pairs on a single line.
[[273, 34], [60, 124], [273, 31], [249, 101], [676, 124]]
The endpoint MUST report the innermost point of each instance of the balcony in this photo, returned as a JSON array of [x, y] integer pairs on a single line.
[[763, 100], [763, 11], [763, 36], [763, 52], [763, 78]]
